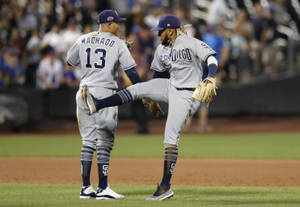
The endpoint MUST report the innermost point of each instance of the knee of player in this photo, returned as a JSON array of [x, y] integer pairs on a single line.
[[89, 143], [133, 90], [110, 124], [105, 145], [170, 144]]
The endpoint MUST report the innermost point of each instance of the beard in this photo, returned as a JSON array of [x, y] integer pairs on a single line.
[[166, 41]]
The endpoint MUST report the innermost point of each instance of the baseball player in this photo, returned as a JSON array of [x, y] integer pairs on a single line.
[[100, 54], [180, 56]]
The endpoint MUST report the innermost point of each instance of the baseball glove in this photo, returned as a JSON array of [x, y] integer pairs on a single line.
[[206, 90], [153, 107]]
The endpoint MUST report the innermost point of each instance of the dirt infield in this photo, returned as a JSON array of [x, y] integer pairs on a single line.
[[148, 171]]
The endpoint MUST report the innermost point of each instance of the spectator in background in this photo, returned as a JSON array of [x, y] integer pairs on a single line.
[[33, 57], [143, 44], [16, 41], [54, 39], [2, 72], [26, 22], [71, 78], [259, 32], [263, 49], [87, 29], [217, 12], [155, 12], [50, 70], [7, 21], [14, 74], [48, 17], [70, 34], [281, 14], [141, 50], [272, 48], [89, 12], [69, 12], [218, 43], [242, 33]]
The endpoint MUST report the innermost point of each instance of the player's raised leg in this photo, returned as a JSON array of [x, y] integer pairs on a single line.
[[155, 89]]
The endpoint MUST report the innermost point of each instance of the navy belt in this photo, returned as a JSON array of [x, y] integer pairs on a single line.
[[187, 89]]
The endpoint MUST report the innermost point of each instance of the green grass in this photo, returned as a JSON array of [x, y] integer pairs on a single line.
[[273, 146], [285, 146], [50, 195], [267, 146]]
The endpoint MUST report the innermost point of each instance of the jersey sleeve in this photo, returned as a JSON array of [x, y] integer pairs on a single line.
[[73, 56], [125, 58], [202, 50], [161, 60]]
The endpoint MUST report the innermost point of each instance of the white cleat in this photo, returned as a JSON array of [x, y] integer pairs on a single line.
[[161, 194], [87, 192], [107, 194], [88, 99]]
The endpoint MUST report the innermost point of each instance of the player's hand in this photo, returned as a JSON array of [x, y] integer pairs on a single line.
[[154, 108], [206, 90]]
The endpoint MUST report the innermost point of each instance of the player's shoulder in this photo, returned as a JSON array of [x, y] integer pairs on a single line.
[[162, 49], [91, 34], [83, 36], [189, 39]]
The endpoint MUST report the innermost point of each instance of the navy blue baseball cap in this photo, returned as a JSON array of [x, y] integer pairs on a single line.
[[109, 16], [168, 21]]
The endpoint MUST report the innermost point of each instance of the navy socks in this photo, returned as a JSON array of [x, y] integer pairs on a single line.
[[103, 157], [121, 97], [171, 154]]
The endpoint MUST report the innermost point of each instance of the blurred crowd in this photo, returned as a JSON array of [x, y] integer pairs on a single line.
[[249, 36]]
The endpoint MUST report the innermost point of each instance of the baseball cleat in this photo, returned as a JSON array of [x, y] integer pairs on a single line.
[[107, 194], [88, 99], [161, 193], [87, 192]]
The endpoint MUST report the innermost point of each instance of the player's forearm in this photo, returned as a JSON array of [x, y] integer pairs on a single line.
[[133, 75], [212, 65]]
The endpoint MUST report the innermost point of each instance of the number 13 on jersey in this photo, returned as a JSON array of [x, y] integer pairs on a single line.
[[99, 52]]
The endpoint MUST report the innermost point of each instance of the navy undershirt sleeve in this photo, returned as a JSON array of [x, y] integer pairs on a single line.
[[212, 70], [133, 75]]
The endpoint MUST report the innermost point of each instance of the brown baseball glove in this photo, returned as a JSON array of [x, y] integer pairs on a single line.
[[153, 107]]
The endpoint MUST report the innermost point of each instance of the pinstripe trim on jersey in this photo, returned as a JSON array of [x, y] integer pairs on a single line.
[[129, 67], [125, 95]]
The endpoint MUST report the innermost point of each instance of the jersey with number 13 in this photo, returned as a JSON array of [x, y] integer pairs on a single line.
[[100, 56]]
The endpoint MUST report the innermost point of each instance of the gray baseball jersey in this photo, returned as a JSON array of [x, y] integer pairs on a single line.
[[183, 61], [100, 56]]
